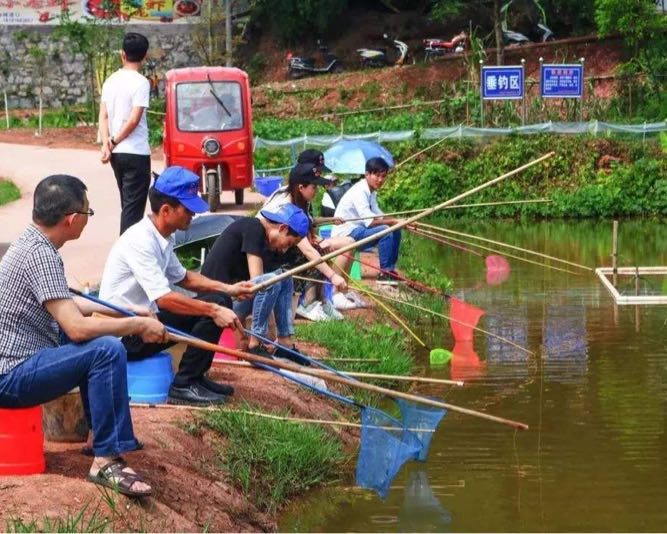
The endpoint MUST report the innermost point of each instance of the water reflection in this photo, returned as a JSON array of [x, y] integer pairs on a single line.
[[421, 510], [565, 343], [465, 363]]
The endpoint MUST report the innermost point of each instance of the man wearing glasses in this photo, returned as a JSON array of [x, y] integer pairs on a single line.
[[49, 344]]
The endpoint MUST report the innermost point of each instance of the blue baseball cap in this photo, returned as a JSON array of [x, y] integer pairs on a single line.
[[291, 215], [183, 185]]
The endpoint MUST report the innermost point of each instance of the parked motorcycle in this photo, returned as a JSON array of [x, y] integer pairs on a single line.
[[377, 57], [439, 47], [542, 34], [298, 67]]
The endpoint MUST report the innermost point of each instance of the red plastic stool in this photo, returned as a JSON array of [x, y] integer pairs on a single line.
[[21, 441]]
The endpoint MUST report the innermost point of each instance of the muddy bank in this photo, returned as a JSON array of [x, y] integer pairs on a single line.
[[192, 493]]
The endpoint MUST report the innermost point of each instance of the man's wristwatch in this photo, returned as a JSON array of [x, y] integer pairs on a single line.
[[113, 141]]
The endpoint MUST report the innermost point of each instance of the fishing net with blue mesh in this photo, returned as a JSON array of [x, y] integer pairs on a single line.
[[421, 422], [385, 446]]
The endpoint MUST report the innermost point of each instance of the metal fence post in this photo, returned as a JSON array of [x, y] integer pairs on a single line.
[[481, 91], [541, 91], [523, 100]]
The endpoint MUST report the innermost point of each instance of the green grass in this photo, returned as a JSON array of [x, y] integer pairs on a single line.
[[79, 522], [8, 192], [351, 339], [274, 460]]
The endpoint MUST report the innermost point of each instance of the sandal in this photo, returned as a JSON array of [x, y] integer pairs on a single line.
[[88, 451], [114, 476]]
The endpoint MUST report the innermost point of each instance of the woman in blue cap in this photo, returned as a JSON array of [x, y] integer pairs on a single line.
[[239, 253]]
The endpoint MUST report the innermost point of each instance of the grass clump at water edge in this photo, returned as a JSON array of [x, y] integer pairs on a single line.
[[8, 191], [273, 460]]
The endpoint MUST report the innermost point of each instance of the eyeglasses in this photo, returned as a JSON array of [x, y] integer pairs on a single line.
[[90, 212]]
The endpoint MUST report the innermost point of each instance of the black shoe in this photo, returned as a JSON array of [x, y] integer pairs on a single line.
[[216, 387], [260, 350], [194, 395], [292, 354], [387, 279]]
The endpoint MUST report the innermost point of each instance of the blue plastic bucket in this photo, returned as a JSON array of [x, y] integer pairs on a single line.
[[148, 380], [267, 185]]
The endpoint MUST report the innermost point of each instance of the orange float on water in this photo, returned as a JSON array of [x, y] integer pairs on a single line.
[[21, 441]]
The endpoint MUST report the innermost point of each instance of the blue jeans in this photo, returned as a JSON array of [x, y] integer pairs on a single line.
[[276, 298], [98, 368], [388, 246]]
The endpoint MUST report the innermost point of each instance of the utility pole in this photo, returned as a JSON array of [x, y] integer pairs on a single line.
[[500, 46], [228, 32]]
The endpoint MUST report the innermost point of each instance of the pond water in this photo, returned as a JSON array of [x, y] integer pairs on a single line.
[[595, 397]]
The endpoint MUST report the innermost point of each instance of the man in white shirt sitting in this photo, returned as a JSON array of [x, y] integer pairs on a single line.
[[361, 201], [140, 269]]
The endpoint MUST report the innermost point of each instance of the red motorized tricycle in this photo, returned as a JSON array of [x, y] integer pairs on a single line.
[[208, 128]]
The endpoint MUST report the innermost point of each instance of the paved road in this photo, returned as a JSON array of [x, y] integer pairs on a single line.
[[84, 259]]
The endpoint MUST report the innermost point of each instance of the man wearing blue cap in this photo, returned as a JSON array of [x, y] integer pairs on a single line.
[[240, 253], [140, 269]]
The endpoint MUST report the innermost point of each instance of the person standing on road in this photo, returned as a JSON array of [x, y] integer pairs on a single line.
[[124, 129]]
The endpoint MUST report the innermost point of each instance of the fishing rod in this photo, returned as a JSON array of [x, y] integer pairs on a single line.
[[370, 239], [430, 235], [445, 242], [275, 366], [323, 373], [326, 220], [500, 243], [427, 310]]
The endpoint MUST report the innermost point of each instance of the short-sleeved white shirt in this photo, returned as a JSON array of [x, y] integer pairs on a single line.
[[140, 267], [359, 201], [123, 90]]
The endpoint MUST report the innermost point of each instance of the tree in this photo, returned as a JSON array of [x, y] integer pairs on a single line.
[[295, 20], [97, 41]]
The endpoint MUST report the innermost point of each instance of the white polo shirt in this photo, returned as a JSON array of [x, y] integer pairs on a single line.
[[140, 267], [359, 201]]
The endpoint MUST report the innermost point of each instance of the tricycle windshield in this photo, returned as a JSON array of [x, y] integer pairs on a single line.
[[206, 107]]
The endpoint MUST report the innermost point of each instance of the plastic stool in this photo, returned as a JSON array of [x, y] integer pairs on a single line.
[[148, 380], [21, 441], [228, 340]]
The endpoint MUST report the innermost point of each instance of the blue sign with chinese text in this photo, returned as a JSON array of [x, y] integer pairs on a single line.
[[502, 83], [562, 81]]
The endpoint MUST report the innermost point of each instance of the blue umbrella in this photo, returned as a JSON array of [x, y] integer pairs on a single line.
[[350, 157]]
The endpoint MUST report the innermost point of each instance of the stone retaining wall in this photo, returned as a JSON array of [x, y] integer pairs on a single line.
[[66, 80]]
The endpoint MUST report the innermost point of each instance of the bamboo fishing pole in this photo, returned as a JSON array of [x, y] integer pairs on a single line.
[[205, 345], [370, 239], [321, 220], [285, 418], [500, 243], [324, 373], [435, 313], [442, 315], [432, 235], [392, 313], [443, 241]]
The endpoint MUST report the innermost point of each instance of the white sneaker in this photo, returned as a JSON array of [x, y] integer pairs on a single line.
[[356, 298], [340, 302], [331, 311], [312, 312]]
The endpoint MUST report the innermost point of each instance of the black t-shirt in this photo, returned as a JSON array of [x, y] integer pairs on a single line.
[[227, 261]]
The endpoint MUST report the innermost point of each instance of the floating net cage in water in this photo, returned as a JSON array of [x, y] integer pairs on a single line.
[[387, 443]]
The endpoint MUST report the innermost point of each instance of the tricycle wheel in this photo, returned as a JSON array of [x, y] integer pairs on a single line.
[[213, 192], [238, 196]]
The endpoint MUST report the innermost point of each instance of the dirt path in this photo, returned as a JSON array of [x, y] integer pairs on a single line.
[[84, 258]]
